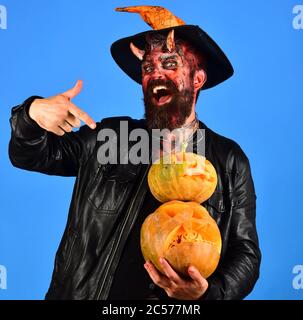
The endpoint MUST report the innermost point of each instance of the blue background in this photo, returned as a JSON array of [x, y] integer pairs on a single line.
[[50, 44]]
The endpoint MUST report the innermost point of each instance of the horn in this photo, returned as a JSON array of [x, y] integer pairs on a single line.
[[170, 41], [137, 52]]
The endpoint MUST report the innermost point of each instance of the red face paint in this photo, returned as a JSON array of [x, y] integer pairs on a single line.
[[167, 82], [167, 66]]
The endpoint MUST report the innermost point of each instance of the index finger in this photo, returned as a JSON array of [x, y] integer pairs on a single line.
[[82, 115]]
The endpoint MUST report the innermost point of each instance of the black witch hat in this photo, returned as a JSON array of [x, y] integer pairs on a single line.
[[218, 67]]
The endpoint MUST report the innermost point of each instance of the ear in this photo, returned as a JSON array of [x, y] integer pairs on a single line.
[[200, 78]]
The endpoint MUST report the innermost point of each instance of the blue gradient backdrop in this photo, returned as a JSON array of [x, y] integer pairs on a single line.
[[48, 45]]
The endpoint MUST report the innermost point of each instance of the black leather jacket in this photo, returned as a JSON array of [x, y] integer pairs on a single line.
[[107, 198]]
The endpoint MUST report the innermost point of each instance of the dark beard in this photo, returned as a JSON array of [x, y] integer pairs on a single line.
[[171, 115]]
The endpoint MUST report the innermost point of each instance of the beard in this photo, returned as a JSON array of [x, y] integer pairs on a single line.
[[172, 114]]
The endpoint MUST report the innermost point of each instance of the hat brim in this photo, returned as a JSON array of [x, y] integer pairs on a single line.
[[218, 66]]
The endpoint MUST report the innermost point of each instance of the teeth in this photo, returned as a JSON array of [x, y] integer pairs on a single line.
[[157, 88]]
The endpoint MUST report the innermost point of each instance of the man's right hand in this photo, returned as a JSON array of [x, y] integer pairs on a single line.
[[58, 114]]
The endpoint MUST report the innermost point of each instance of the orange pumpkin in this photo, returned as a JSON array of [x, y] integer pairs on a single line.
[[183, 233], [182, 176]]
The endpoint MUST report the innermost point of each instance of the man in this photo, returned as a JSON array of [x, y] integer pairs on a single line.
[[99, 255]]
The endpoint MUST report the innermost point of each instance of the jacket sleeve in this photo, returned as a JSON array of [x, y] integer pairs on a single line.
[[238, 271], [35, 149]]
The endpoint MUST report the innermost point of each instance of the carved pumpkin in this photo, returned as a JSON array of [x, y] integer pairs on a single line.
[[182, 176], [183, 233]]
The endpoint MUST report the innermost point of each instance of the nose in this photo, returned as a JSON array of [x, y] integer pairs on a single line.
[[157, 74]]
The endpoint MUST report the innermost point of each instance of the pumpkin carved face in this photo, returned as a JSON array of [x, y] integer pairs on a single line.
[[184, 234], [182, 176]]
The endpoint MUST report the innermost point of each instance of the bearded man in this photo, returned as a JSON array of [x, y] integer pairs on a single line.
[[99, 256]]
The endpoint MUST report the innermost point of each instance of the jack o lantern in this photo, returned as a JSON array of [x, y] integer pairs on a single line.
[[182, 176], [184, 234]]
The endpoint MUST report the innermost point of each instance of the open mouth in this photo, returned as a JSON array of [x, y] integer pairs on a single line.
[[161, 95]]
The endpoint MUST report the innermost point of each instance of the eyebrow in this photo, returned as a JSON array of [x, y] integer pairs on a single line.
[[161, 58], [168, 56]]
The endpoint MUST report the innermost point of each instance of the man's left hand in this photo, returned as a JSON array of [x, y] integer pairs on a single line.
[[175, 286]]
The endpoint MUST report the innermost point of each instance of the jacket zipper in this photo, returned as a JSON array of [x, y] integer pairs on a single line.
[[114, 249]]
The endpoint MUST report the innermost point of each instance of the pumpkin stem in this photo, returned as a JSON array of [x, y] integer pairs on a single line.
[[183, 147]]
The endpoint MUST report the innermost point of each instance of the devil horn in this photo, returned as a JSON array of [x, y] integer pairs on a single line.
[[170, 41], [137, 52]]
